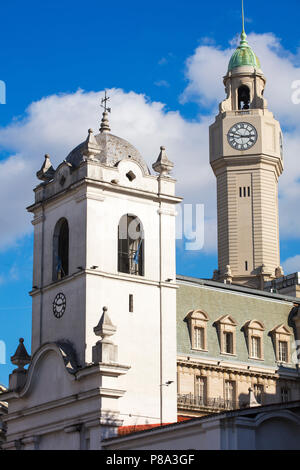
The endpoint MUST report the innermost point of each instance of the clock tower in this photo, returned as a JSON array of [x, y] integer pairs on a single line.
[[247, 158]]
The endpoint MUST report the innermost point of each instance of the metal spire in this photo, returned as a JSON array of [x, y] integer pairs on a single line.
[[243, 35], [105, 123], [243, 16]]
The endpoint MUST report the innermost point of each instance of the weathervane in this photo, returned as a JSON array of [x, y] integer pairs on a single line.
[[104, 103]]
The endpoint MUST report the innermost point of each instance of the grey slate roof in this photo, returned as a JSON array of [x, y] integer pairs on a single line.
[[241, 303]]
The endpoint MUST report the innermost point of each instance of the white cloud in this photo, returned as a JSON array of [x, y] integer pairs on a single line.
[[292, 265], [57, 123], [162, 83]]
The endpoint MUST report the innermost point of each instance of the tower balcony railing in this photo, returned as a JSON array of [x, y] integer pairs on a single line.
[[190, 401]]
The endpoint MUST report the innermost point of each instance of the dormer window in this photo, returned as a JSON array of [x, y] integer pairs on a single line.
[[281, 342], [197, 321], [243, 98], [226, 327], [255, 339]]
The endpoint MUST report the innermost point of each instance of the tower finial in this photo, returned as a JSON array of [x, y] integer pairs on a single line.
[[243, 16], [105, 123], [243, 35]]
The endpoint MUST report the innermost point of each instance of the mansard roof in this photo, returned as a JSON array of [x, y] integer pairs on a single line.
[[241, 304]]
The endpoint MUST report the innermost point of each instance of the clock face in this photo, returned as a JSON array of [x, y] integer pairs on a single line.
[[59, 305], [242, 136]]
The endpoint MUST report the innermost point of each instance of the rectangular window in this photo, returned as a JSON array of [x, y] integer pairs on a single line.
[[285, 395], [283, 351], [200, 390], [259, 392], [228, 342], [229, 393], [256, 347], [244, 191], [130, 303], [249, 192], [241, 193], [199, 338], [246, 265]]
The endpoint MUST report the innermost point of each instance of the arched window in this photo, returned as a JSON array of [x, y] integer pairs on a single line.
[[61, 250], [244, 97], [131, 245]]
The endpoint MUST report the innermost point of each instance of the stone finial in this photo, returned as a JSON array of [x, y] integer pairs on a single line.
[[228, 274], [91, 146], [104, 127], [105, 326], [47, 171], [279, 272], [21, 358], [263, 269], [163, 165], [252, 400], [105, 350]]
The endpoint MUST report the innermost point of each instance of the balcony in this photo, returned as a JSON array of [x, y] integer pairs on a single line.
[[190, 402]]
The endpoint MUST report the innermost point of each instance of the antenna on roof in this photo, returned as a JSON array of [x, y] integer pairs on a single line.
[[243, 16]]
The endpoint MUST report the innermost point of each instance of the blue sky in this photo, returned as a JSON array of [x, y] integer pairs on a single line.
[[151, 49]]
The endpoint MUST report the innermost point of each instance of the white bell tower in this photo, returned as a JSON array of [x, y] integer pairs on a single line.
[[104, 282]]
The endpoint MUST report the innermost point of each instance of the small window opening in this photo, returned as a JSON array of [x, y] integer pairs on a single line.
[[228, 342], [245, 192], [130, 303], [241, 193], [259, 393], [131, 176], [244, 97], [249, 191], [246, 265]]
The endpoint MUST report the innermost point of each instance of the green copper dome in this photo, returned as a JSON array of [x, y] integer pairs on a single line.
[[244, 55]]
